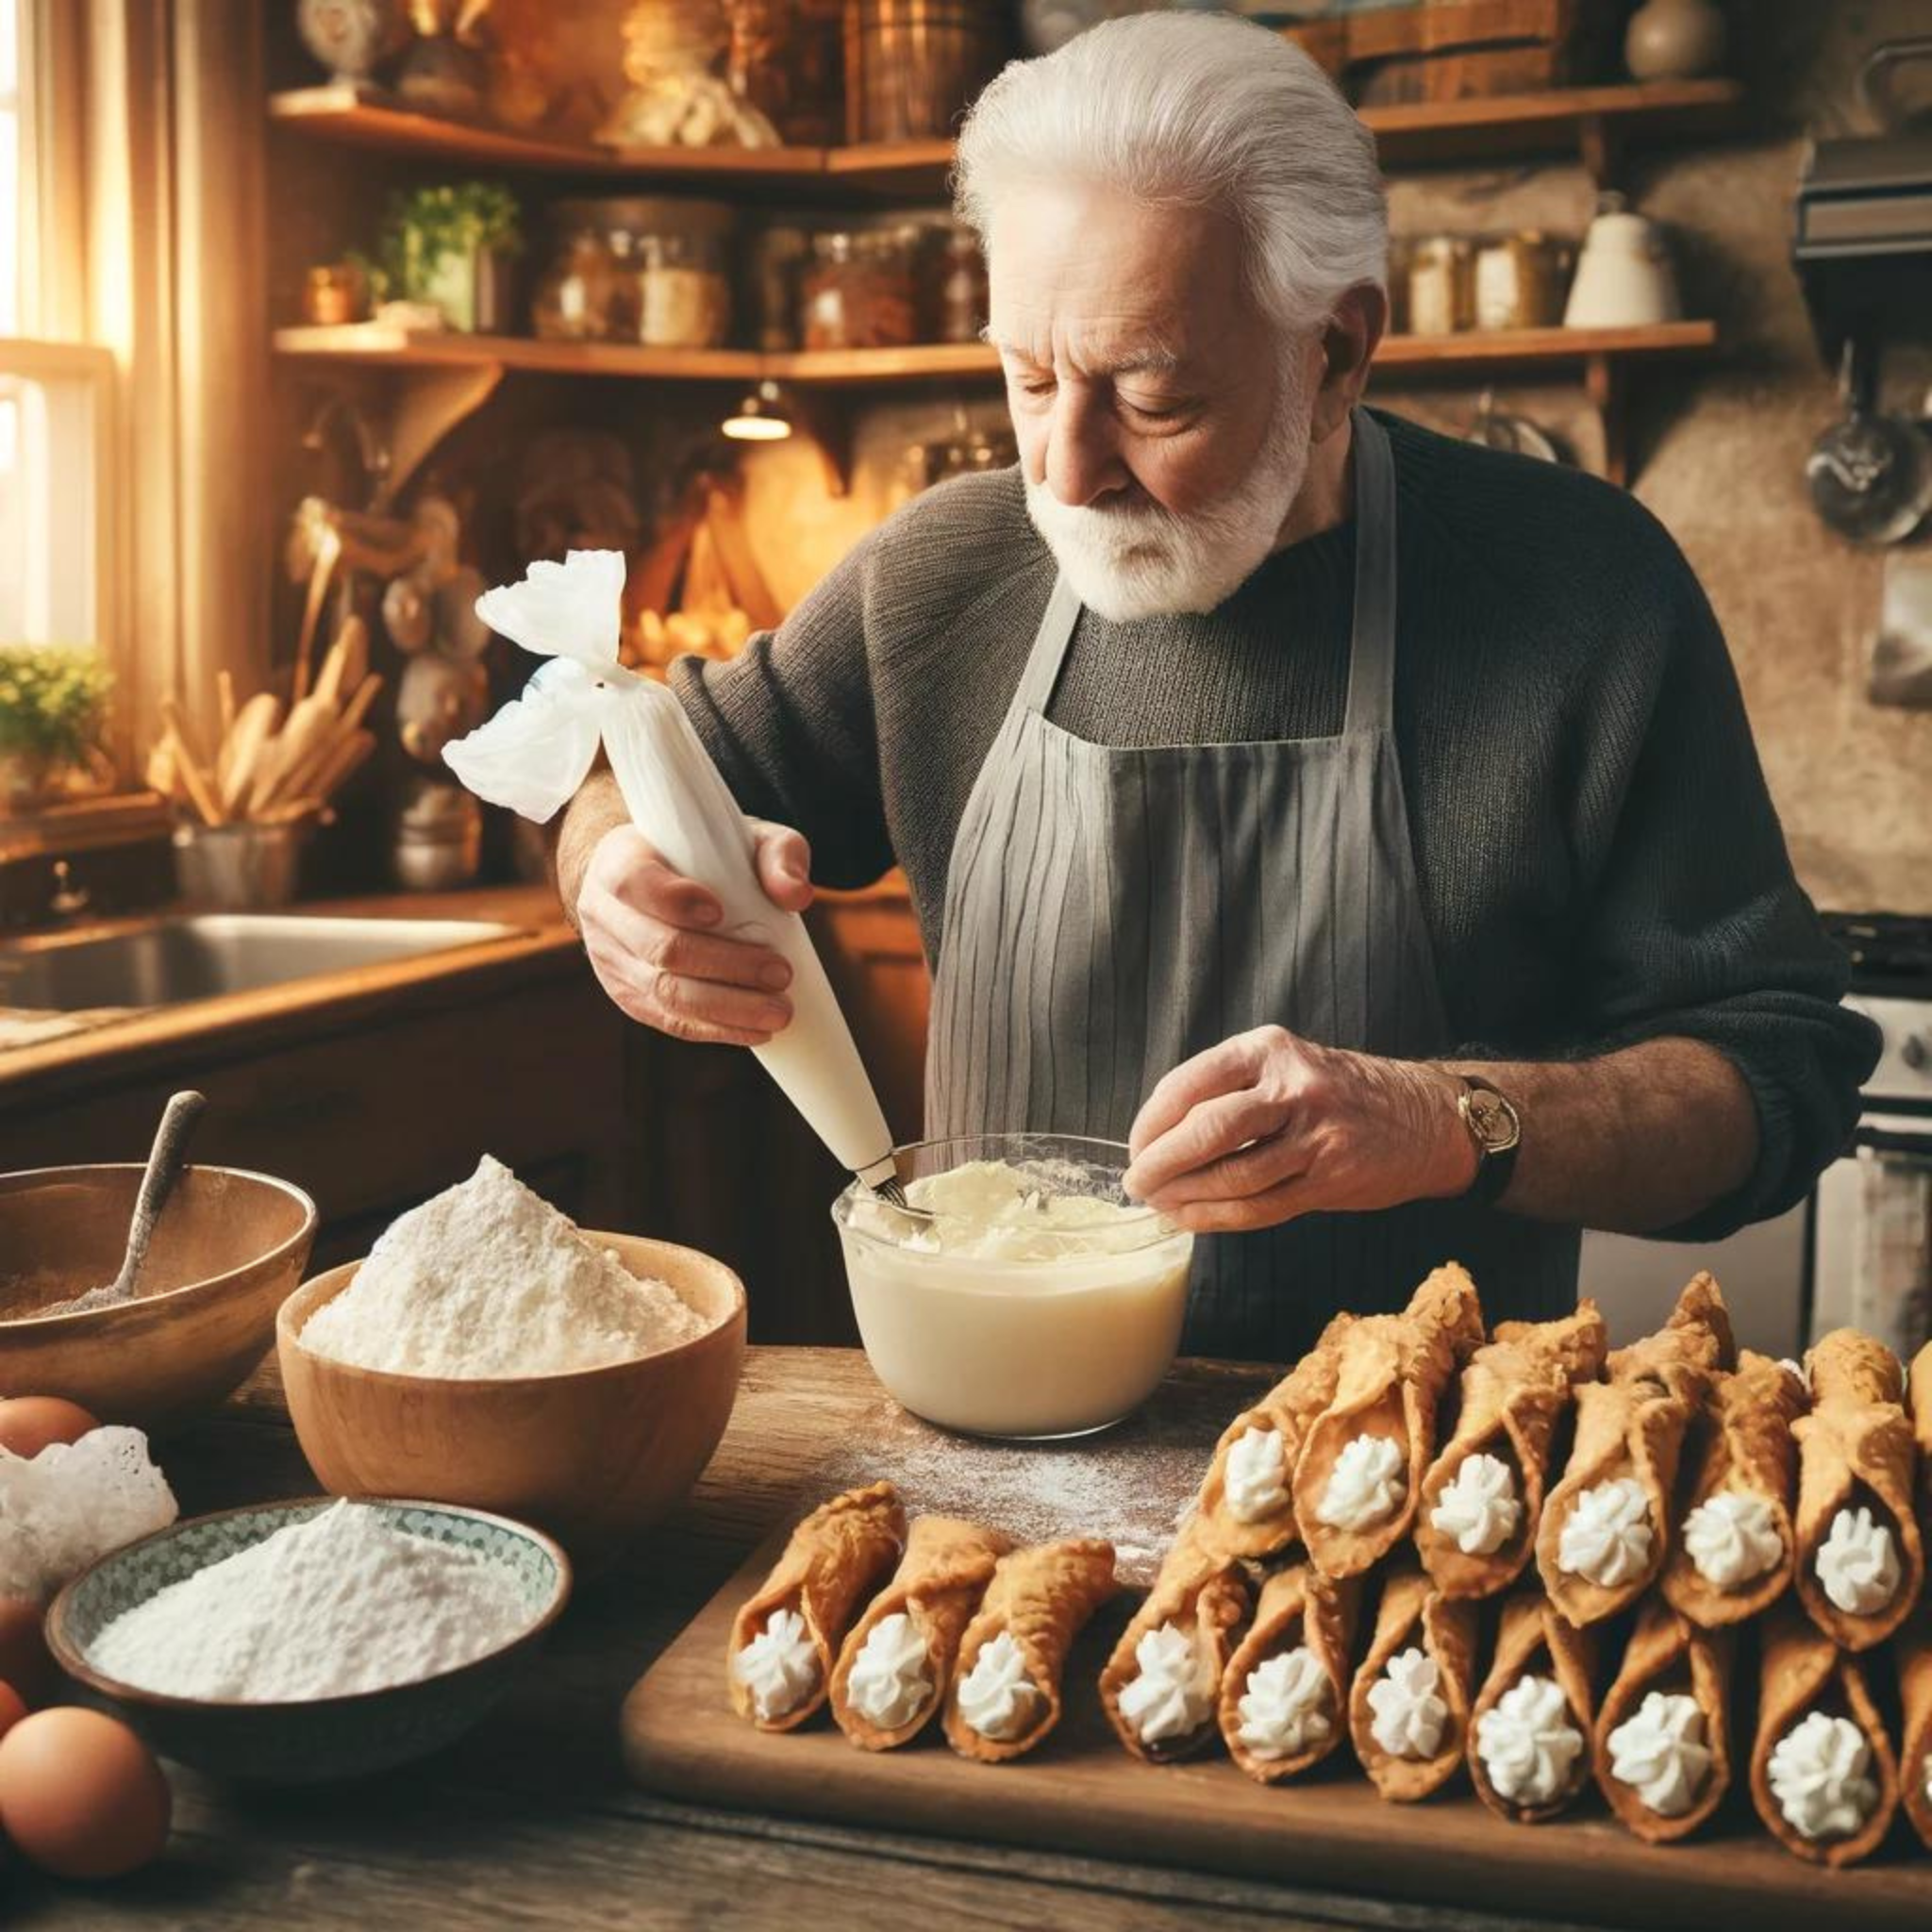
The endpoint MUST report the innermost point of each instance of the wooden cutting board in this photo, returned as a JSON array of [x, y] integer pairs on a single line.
[[1081, 1794]]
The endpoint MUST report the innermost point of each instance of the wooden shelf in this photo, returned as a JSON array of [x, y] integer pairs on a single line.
[[375, 343], [1593, 122]]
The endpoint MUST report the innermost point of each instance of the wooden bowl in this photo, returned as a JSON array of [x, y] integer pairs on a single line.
[[227, 1251], [593, 1455], [323, 1738]]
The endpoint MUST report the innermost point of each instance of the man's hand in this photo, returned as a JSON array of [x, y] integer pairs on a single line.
[[1268, 1125], [649, 934]]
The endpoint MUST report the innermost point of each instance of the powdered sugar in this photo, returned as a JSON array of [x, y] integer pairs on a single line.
[[487, 1279], [1132, 1484], [73, 1502], [342, 1602]]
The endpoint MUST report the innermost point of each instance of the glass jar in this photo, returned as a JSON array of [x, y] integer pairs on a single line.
[[574, 296], [1517, 282], [858, 292], [685, 294], [1439, 286], [962, 307]]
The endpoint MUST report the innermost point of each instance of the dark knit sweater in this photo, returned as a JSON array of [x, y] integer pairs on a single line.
[[1599, 860]]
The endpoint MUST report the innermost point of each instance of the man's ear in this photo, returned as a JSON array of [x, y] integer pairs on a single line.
[[1349, 344]]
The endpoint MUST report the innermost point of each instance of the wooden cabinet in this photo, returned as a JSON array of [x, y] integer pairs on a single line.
[[373, 1112]]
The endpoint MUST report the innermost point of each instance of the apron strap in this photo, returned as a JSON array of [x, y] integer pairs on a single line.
[[1049, 651], [1372, 644]]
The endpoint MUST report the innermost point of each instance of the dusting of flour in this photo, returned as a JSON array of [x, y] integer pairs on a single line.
[[487, 1279], [342, 1602]]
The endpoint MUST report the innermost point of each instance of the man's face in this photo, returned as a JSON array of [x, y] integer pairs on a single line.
[[1163, 423]]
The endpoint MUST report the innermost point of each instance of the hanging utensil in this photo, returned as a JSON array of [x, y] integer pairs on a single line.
[[1870, 474]]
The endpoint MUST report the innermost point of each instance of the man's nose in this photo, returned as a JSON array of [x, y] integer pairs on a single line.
[[1083, 458]]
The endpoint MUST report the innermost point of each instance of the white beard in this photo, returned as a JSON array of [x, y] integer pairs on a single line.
[[1138, 560]]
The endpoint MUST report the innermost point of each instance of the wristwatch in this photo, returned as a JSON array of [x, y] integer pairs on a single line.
[[1496, 1129]]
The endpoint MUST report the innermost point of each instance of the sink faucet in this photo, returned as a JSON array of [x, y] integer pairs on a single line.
[[68, 901]]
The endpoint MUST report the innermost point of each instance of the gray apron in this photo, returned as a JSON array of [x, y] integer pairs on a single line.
[[1112, 911]]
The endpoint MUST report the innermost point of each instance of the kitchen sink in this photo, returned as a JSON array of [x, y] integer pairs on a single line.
[[200, 957]]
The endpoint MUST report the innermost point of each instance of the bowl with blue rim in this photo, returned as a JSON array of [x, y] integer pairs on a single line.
[[322, 1739]]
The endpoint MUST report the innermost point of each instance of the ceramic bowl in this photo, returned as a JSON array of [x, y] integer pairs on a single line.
[[593, 1455], [327, 1738], [229, 1249]]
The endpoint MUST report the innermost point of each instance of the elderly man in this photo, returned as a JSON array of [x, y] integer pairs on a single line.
[[1363, 825]]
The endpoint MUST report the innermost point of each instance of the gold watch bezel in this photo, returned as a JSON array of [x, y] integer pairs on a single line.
[[1484, 1113]]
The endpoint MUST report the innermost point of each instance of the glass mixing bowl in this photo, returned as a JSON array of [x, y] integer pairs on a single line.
[[1025, 1299]]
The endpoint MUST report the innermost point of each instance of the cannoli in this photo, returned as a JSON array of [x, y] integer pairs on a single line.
[[1861, 1557], [785, 1641], [1913, 1649], [1409, 1709], [1529, 1728], [1247, 1507], [1603, 1532], [1360, 1472], [1823, 1776], [1284, 1696], [1005, 1696], [1733, 1553], [893, 1669], [1663, 1735], [1483, 1494], [1163, 1684]]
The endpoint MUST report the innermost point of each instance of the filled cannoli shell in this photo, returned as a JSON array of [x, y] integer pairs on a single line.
[[1856, 1450], [1203, 1593], [1042, 1597], [1632, 1426], [1913, 1647], [1514, 1392], [1413, 1613], [830, 1563], [1532, 1639], [1801, 1669], [1394, 1372], [1667, 1652], [1742, 1442], [1298, 1608], [1290, 1409], [939, 1583]]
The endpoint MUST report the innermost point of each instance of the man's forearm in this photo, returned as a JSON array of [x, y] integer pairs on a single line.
[[1636, 1141], [597, 808]]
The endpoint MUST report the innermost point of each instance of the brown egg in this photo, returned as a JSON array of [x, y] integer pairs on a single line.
[[29, 1422], [12, 1708], [25, 1661], [81, 1795]]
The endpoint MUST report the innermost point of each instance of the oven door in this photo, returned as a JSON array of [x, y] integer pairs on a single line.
[[1872, 1235]]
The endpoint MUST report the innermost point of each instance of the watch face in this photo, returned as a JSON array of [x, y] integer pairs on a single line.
[[1494, 1120]]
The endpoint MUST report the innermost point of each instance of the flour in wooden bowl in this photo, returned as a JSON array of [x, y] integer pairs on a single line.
[[487, 1280]]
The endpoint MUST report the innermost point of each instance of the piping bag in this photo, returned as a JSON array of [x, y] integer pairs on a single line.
[[539, 749]]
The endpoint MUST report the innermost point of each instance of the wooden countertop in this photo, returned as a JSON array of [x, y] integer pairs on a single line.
[[530, 1821], [151, 1041]]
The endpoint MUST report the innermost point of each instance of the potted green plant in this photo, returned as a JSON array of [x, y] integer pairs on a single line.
[[452, 246], [53, 708]]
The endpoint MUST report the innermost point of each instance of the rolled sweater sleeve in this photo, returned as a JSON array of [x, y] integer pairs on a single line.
[[790, 722], [1696, 926]]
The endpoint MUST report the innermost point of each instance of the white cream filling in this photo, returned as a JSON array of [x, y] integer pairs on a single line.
[[1174, 1694], [1732, 1539], [1478, 1507], [1288, 1706], [1409, 1714], [1660, 1752], [1857, 1563], [1819, 1778], [1257, 1481], [1606, 1540], [780, 1666], [890, 1680], [1366, 1485], [1528, 1744], [998, 1697]]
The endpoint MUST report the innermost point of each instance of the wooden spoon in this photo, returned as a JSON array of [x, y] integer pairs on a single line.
[[164, 1163], [256, 723]]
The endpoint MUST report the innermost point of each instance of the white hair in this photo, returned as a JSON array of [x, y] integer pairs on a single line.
[[1195, 110]]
